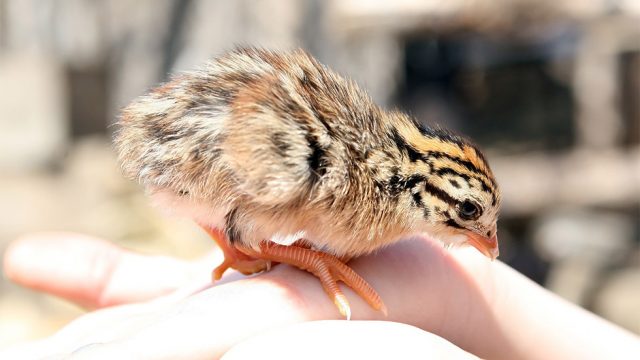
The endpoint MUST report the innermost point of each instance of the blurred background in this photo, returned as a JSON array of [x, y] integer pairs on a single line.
[[550, 88]]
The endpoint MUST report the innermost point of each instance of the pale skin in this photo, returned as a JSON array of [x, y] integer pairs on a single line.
[[450, 304]]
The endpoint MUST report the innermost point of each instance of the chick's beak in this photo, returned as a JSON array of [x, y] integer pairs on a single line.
[[488, 246]]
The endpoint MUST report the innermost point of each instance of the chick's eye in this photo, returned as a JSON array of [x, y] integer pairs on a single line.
[[469, 210]]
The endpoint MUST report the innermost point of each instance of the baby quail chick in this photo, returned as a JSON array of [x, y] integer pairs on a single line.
[[281, 159]]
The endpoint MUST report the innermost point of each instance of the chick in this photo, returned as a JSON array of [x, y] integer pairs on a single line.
[[281, 159]]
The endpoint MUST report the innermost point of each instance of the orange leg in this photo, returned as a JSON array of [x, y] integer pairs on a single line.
[[327, 268], [234, 258], [304, 244]]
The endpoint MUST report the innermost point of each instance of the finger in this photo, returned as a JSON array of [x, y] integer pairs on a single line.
[[90, 271], [89, 330], [201, 326], [347, 340]]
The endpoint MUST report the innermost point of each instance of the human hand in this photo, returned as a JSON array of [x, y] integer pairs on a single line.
[[170, 320], [456, 295]]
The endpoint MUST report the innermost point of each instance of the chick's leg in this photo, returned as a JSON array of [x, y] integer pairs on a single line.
[[233, 258], [327, 268]]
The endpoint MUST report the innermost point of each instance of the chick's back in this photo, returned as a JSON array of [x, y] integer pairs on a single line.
[[268, 127]]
